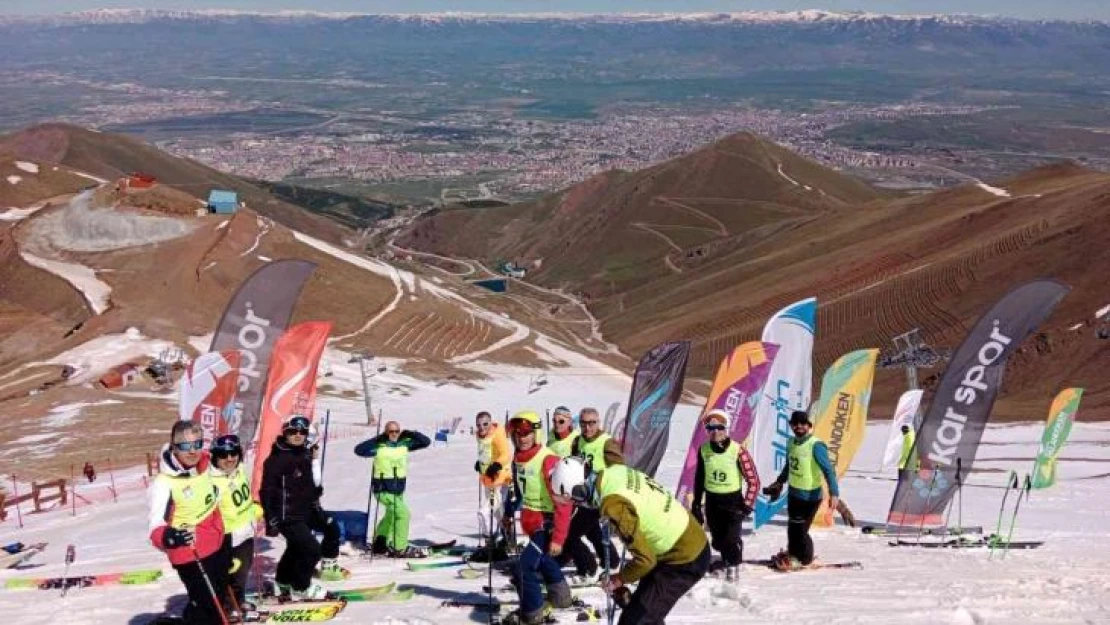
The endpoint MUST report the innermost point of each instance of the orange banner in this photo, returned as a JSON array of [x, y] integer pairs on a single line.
[[290, 386]]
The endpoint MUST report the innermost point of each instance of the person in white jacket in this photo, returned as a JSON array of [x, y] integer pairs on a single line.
[[239, 511]]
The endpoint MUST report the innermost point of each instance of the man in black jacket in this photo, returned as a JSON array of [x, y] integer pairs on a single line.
[[291, 502]]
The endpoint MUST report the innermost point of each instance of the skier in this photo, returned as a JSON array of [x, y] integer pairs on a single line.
[[390, 451], [807, 462], [668, 546], [186, 523], [493, 468], [291, 503], [543, 520], [239, 512], [599, 450], [563, 432], [724, 469], [908, 439]]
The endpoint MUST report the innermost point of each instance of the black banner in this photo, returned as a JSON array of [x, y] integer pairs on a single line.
[[656, 389]]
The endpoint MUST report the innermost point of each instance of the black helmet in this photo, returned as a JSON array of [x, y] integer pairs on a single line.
[[227, 445], [799, 416]]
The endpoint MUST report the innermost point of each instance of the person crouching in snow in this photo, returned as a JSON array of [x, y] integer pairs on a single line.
[[542, 519], [186, 523], [238, 510], [291, 503]]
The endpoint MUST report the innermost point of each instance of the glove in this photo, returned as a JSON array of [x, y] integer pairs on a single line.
[[745, 512], [492, 470], [698, 514], [174, 537], [273, 528], [774, 491], [477, 466], [256, 511]]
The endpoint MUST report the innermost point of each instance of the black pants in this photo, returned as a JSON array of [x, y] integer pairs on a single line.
[[238, 581], [302, 552], [725, 526], [800, 513], [586, 523], [660, 589], [201, 609]]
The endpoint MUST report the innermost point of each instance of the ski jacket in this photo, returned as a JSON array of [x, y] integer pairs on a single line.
[[185, 498], [743, 500], [236, 506], [563, 446], [495, 448], [531, 521], [391, 468], [821, 458], [289, 492]]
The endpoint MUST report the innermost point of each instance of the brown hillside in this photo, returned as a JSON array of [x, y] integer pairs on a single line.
[[20, 188], [879, 266], [110, 155]]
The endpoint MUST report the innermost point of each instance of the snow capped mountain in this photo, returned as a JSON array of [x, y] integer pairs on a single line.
[[809, 16]]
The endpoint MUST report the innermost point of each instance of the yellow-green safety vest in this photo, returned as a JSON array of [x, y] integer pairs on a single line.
[[662, 519], [563, 447], [594, 451], [907, 449], [722, 474], [391, 462], [532, 486], [193, 498], [485, 451], [804, 472], [236, 505]]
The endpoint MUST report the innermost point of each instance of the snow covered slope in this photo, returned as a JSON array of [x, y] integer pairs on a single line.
[[1063, 582]]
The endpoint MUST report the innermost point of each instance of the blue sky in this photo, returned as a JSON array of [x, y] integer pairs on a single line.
[[1060, 9]]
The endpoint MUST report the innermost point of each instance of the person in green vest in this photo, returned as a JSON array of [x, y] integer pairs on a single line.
[[669, 551], [724, 469], [239, 510], [599, 450], [563, 432], [390, 451], [807, 464], [908, 439]]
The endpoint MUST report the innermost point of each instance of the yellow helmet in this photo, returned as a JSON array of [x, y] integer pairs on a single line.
[[530, 417]]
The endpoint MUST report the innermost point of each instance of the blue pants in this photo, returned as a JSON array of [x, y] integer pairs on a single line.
[[535, 569]]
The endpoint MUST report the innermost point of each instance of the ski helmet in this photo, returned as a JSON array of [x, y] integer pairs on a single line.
[[296, 421], [524, 419], [719, 415], [227, 445], [572, 479]]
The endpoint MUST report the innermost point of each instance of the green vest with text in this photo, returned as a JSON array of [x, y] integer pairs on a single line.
[[563, 447], [194, 497], [236, 505], [530, 482], [804, 472], [594, 451], [390, 462], [662, 519], [722, 474]]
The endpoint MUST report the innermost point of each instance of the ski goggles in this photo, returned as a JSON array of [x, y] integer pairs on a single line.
[[187, 446], [714, 427], [298, 425], [227, 445], [520, 427]]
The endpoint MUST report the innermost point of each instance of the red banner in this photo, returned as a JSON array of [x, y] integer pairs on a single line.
[[290, 385], [208, 391]]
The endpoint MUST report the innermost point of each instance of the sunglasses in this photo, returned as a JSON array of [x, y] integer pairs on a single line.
[[588, 422], [522, 429], [484, 425], [562, 421], [187, 446], [300, 431], [713, 427], [393, 431]]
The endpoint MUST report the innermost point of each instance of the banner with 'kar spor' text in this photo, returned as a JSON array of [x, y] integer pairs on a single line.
[[954, 423], [254, 319]]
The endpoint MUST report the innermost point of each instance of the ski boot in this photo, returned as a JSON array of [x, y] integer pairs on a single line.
[[586, 579], [558, 595], [408, 552], [275, 588], [314, 592], [330, 571], [732, 573], [536, 617]]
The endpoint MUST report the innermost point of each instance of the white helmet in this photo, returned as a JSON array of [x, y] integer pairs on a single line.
[[718, 413], [569, 479]]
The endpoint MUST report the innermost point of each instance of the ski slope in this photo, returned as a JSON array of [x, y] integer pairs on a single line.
[[1063, 582]]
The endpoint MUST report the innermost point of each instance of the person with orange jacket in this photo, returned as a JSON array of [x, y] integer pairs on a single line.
[[185, 523], [494, 468]]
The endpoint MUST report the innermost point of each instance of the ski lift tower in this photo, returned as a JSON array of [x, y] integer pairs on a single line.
[[911, 352]]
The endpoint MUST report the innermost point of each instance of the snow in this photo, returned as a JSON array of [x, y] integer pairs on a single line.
[[89, 176], [61, 416], [264, 226], [1063, 582], [783, 174], [30, 168], [18, 214], [1075, 327], [92, 358], [993, 190], [1102, 312], [14, 179], [83, 278], [82, 228], [223, 224], [264, 259]]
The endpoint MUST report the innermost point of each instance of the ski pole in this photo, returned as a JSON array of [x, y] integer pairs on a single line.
[[324, 445], [71, 555], [928, 500], [370, 499], [489, 547], [211, 588], [608, 567], [948, 515], [1026, 487], [1011, 483]]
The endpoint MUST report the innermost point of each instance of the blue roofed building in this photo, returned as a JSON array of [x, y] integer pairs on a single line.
[[223, 202]]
